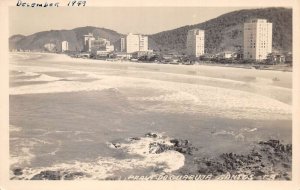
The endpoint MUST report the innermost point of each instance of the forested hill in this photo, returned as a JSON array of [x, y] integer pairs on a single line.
[[37, 40], [226, 31], [222, 33]]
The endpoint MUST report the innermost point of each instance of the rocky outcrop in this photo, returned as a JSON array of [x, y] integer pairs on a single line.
[[182, 146], [48, 175], [268, 160], [57, 175], [271, 160], [18, 171], [157, 147], [74, 175]]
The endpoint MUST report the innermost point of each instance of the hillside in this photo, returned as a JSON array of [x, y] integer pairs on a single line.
[[226, 31], [222, 33], [74, 37]]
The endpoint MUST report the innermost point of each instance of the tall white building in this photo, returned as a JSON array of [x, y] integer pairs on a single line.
[[87, 42], [257, 39], [123, 45], [143, 43], [135, 42], [64, 46], [195, 42]]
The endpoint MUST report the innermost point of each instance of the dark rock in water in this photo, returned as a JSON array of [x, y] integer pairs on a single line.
[[57, 175], [179, 142], [158, 148], [175, 142], [47, 175], [183, 146], [268, 160], [152, 135], [258, 173], [18, 171], [73, 175], [117, 145], [112, 178], [135, 138], [286, 165], [272, 143]]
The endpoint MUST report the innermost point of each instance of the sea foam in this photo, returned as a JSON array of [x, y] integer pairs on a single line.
[[105, 167]]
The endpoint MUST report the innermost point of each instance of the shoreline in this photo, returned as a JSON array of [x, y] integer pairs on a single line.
[[65, 57], [268, 160], [157, 89]]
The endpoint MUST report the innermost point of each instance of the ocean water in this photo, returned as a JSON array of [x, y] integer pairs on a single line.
[[65, 113]]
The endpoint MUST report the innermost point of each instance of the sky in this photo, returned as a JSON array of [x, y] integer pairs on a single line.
[[144, 20]]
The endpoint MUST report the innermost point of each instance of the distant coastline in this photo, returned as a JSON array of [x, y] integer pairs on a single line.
[[280, 68]]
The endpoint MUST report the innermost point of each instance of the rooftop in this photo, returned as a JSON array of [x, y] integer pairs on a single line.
[[257, 20], [195, 31]]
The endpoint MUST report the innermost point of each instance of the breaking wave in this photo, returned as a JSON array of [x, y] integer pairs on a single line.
[[143, 150]]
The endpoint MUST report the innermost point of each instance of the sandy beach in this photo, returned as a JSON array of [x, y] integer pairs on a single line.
[[90, 119]]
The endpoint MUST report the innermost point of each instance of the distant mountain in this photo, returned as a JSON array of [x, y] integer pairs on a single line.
[[226, 31], [14, 39], [222, 33], [74, 37]]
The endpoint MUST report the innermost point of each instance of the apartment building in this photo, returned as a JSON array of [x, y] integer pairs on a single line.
[[134, 43], [64, 46], [87, 42], [195, 42], [257, 39]]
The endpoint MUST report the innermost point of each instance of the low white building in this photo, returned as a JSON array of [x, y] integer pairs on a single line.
[[226, 55], [123, 55], [50, 47], [101, 45], [102, 53], [109, 48]]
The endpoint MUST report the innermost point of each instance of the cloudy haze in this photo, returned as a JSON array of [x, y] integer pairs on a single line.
[[146, 20]]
